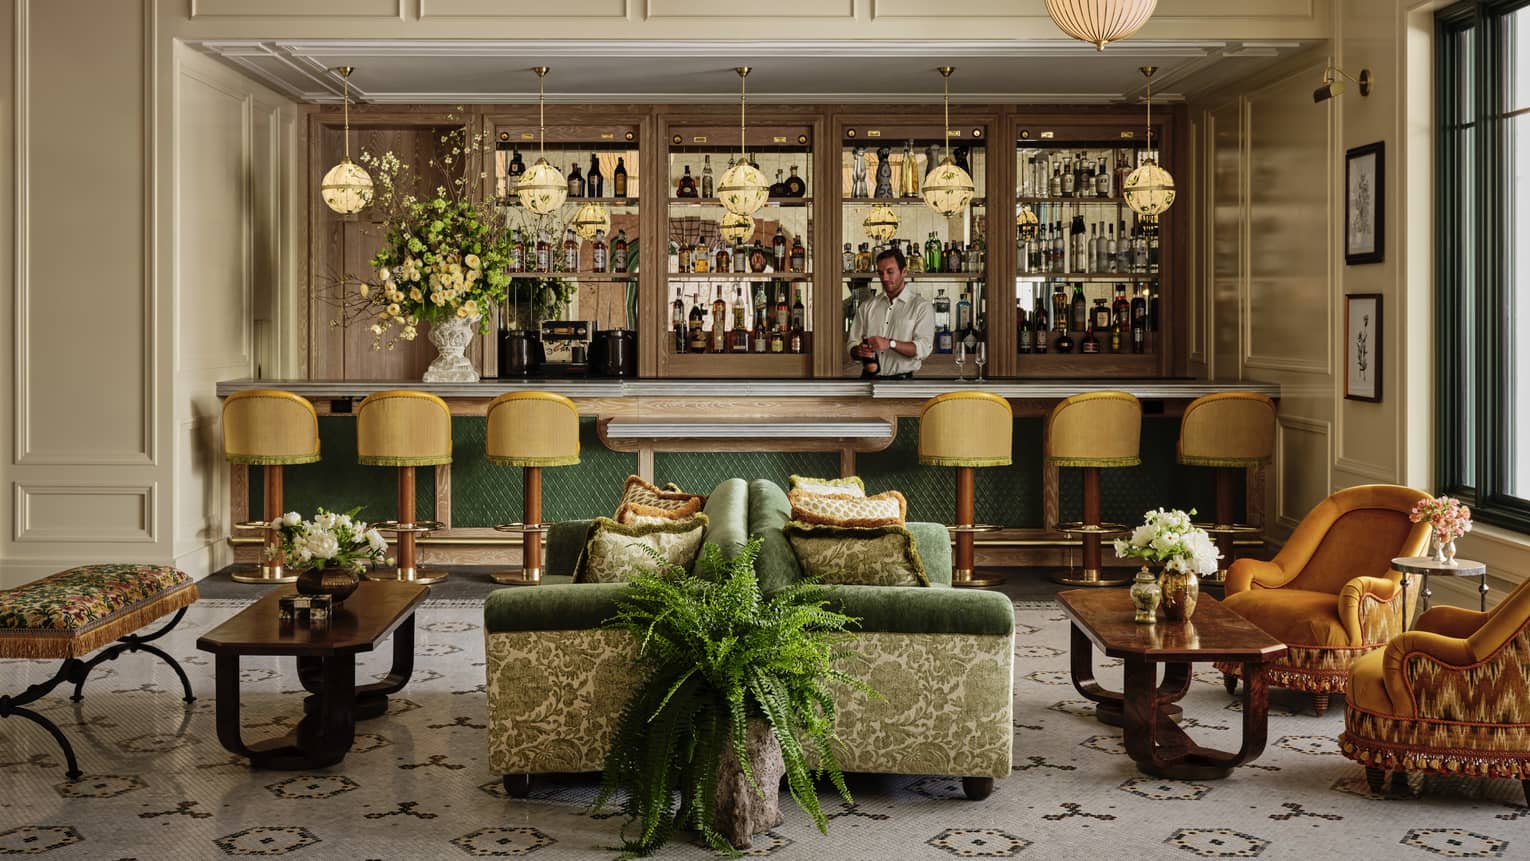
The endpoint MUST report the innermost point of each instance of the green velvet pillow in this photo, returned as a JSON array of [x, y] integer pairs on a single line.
[[857, 556], [613, 551]]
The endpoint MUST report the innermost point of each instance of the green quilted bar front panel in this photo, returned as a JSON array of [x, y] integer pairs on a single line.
[[699, 472], [484, 494], [1160, 481], [1005, 495], [338, 483]]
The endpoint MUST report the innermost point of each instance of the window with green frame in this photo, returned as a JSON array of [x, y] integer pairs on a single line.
[[1482, 95]]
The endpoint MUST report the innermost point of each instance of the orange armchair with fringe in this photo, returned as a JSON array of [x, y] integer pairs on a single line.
[[1331, 594], [1451, 696]]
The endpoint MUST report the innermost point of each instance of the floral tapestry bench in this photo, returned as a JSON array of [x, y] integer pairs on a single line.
[[75, 612]]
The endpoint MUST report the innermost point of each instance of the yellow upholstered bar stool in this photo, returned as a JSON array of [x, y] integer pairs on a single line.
[[966, 430], [531, 430], [1091, 432], [405, 429], [1230, 431], [270, 429]]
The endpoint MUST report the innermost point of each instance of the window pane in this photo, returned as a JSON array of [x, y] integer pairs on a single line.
[[1517, 286], [1462, 245], [1517, 36]]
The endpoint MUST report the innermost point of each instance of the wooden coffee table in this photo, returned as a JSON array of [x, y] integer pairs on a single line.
[[326, 665], [1103, 619]]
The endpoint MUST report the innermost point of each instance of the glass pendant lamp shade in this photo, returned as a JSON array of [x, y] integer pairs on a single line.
[[737, 227], [947, 188], [881, 223], [743, 188], [592, 218], [346, 188], [1149, 190], [542, 188], [1100, 22]]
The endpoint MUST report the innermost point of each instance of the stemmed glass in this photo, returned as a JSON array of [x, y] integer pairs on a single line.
[[961, 359], [981, 359]]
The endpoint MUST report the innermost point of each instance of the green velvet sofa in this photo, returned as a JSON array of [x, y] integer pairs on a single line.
[[942, 658]]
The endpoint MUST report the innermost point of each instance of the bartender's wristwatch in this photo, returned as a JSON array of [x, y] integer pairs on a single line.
[[892, 345]]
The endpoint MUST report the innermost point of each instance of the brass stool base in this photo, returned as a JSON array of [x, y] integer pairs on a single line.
[[1087, 577], [522, 577], [964, 578], [263, 573], [422, 576]]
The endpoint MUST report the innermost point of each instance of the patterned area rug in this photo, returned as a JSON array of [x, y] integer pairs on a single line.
[[158, 785]]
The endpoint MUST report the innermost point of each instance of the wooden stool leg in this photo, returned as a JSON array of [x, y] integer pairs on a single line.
[[270, 568], [962, 574], [531, 546], [407, 569], [1225, 516], [1092, 573]]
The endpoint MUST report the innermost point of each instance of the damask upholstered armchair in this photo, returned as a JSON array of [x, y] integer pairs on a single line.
[[1451, 696], [1331, 594]]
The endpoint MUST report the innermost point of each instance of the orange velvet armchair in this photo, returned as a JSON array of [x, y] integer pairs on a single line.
[[1331, 594], [1451, 696]]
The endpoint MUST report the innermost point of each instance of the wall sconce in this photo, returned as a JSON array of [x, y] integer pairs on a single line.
[[1333, 83]]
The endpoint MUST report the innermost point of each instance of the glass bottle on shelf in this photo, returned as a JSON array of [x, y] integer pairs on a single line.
[[696, 322], [799, 312], [778, 249], [619, 178], [1139, 249], [1078, 257], [544, 253], [945, 341], [1059, 307], [847, 259], [701, 259], [722, 261], [1089, 343], [1123, 249], [1123, 170], [740, 323], [778, 188], [599, 252], [1139, 321], [687, 186], [1054, 183], [1099, 315], [798, 260], [1068, 178], [575, 181], [1108, 250], [1150, 227], [863, 258], [757, 258], [594, 180], [1022, 328], [516, 169], [1040, 326], [740, 257], [1121, 316], [909, 187], [1078, 312], [783, 310], [912, 258], [719, 340], [678, 322], [706, 177], [683, 259], [570, 251], [953, 258], [932, 258], [619, 252], [517, 261], [963, 314], [1102, 180], [795, 187]]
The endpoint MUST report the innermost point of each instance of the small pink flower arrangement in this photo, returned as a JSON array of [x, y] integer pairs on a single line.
[[1446, 515]]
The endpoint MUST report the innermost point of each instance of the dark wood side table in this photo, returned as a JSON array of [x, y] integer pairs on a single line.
[[326, 664], [1103, 619]]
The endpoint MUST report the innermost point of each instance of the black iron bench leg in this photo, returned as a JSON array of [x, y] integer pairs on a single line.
[[135, 643], [13, 706]]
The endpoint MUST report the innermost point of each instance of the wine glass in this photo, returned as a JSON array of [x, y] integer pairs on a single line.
[[961, 359], [981, 359]]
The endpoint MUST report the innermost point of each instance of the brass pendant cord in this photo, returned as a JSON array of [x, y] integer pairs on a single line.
[[945, 72], [541, 112], [743, 77], [345, 75], [1148, 71]]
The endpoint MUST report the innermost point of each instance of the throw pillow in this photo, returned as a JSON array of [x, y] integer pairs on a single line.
[[847, 510], [838, 555], [851, 485], [641, 499], [613, 552]]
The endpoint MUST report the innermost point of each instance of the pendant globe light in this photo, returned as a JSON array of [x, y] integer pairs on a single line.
[[1149, 190], [737, 227], [947, 188], [542, 188], [347, 188], [1100, 22], [743, 188], [881, 223], [592, 218]]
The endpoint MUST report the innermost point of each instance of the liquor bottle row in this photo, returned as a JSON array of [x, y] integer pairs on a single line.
[[580, 184], [772, 328], [685, 257], [688, 186], [539, 255], [1122, 325], [1081, 174], [1097, 248], [877, 180], [936, 255]]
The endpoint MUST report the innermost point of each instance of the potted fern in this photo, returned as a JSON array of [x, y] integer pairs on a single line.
[[738, 694]]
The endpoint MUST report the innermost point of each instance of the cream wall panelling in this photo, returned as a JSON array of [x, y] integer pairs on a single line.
[[1299, 444], [1224, 203], [86, 513], [1198, 306], [619, 10], [702, 9], [1370, 472], [388, 9]]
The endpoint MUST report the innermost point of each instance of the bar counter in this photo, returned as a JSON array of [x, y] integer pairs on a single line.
[[697, 433]]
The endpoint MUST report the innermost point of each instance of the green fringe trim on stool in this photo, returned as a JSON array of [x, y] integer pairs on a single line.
[[937, 460], [1231, 462], [562, 460], [1095, 461], [273, 459], [386, 460]]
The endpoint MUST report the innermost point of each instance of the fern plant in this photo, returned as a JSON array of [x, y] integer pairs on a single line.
[[718, 653]]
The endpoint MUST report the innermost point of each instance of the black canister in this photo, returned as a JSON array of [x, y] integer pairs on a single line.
[[520, 353]]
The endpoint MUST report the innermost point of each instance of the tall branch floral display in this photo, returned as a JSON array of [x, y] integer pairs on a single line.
[[444, 259], [1185, 551]]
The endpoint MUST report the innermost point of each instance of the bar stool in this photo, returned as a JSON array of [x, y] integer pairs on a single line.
[[404, 429], [531, 430], [270, 429], [1229, 431], [1090, 432], [966, 430]]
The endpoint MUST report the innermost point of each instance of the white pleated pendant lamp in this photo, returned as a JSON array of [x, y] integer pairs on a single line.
[[1100, 22]]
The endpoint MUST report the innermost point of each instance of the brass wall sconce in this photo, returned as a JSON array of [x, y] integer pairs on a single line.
[[1333, 83]]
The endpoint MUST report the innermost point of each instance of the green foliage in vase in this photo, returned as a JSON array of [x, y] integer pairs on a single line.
[[719, 653]]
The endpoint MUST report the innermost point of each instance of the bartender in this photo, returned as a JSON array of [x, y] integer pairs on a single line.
[[894, 332]]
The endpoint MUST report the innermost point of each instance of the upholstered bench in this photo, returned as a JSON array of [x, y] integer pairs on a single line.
[[75, 612]]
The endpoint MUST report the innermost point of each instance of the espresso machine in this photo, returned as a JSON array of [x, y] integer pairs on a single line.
[[566, 345]]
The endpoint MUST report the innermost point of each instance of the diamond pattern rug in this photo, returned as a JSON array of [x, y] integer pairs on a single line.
[[158, 785]]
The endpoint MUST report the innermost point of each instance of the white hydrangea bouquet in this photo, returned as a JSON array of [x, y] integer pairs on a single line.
[[329, 540], [1169, 538]]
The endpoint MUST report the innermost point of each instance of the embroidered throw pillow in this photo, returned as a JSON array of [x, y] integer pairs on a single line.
[[851, 486], [847, 510], [641, 499], [850, 556], [613, 552]]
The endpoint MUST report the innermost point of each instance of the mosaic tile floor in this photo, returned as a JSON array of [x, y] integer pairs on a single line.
[[158, 785]]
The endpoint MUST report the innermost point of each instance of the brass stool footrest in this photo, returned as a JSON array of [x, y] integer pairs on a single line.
[[1077, 528], [1228, 528], [522, 527], [419, 527], [974, 527]]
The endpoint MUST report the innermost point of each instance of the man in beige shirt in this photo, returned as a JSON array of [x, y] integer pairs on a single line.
[[896, 329]]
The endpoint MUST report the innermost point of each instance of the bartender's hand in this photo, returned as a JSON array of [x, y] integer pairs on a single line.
[[861, 350], [877, 343]]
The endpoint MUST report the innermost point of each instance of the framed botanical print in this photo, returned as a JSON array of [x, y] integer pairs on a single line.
[[1362, 347], [1364, 203]]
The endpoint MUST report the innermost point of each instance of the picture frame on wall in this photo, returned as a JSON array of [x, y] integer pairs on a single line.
[[1362, 347], [1364, 203]]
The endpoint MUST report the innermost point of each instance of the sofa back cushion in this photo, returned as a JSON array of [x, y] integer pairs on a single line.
[[728, 510], [769, 510]]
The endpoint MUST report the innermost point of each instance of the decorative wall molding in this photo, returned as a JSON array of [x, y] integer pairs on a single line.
[[40, 517], [1168, 11], [692, 9], [298, 9], [1284, 426], [1383, 473], [619, 10]]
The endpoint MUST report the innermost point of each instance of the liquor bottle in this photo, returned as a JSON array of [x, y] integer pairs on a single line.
[[909, 187], [1089, 343], [1108, 252], [575, 181], [1139, 250], [1054, 185], [696, 321], [706, 177], [517, 262], [701, 258], [599, 252], [544, 253], [778, 249], [1102, 180], [932, 258], [719, 321], [863, 258], [1064, 343], [619, 252], [678, 322], [963, 315], [799, 312], [871, 365], [795, 187], [1059, 248], [740, 342], [945, 340], [1123, 170], [1078, 314], [778, 188], [687, 187], [515, 171], [1040, 326], [977, 258], [777, 341], [783, 311], [594, 180], [1059, 307], [619, 178], [740, 257], [570, 251], [1079, 258], [1099, 315], [722, 259], [1069, 180], [1139, 322], [683, 261], [798, 260], [1123, 249], [847, 259], [1151, 229], [913, 258], [1022, 328], [954, 260]]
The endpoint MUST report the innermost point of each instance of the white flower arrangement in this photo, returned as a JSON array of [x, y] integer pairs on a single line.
[[1168, 537], [329, 539]]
